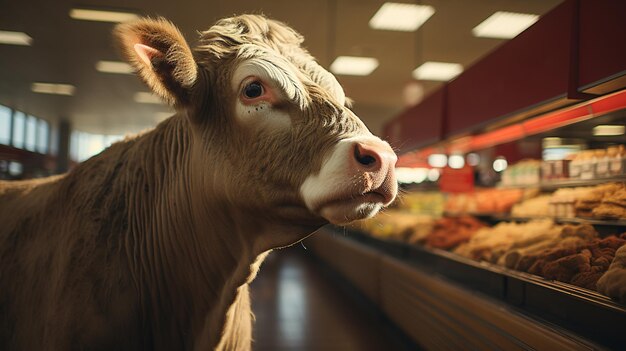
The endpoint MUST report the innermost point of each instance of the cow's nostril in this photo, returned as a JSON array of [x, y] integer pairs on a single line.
[[363, 156]]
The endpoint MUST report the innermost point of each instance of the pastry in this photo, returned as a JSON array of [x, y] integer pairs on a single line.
[[613, 282]]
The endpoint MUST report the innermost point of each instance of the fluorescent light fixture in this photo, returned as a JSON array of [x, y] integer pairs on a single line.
[[473, 159], [504, 25], [101, 15], [147, 98], [114, 67], [608, 130], [456, 161], [439, 71], [354, 66], [437, 160], [433, 174], [500, 164], [15, 38], [411, 175], [401, 17], [50, 88]]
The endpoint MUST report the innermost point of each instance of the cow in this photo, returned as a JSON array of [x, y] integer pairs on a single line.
[[152, 243]]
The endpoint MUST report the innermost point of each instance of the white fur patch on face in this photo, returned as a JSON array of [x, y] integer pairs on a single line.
[[338, 192], [262, 115], [262, 112], [329, 81]]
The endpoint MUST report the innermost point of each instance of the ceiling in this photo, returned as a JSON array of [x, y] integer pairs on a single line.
[[65, 50]]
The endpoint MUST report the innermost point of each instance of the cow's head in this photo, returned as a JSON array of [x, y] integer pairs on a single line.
[[271, 129]]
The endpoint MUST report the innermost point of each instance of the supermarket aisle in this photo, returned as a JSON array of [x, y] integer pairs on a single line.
[[298, 306]]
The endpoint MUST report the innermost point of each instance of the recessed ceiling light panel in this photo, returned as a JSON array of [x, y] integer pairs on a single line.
[[456, 161], [439, 71], [114, 67], [504, 25], [51, 88], [438, 160], [102, 15], [355, 66], [401, 17], [15, 38]]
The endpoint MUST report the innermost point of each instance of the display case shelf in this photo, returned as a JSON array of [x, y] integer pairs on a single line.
[[554, 185], [560, 220], [566, 183], [499, 217]]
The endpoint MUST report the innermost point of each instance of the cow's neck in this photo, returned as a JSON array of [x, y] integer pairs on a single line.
[[192, 256]]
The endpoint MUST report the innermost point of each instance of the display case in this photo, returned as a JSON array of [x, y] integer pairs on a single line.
[[442, 301], [513, 206], [532, 210]]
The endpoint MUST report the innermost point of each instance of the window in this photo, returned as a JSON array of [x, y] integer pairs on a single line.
[[31, 133], [5, 125], [43, 132], [19, 123], [74, 146], [110, 139], [84, 145]]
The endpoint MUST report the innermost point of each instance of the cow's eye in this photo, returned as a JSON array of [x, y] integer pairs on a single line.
[[253, 90]]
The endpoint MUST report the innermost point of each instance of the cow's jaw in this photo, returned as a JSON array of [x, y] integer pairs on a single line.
[[347, 188]]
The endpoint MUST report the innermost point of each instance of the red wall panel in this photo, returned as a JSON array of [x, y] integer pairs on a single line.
[[420, 125], [531, 69], [602, 44]]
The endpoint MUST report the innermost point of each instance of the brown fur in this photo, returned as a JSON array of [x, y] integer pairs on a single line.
[[152, 243]]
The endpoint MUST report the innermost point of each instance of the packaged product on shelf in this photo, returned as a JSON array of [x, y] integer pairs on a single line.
[[612, 205], [563, 202], [575, 167], [600, 169], [449, 232], [588, 165], [610, 196], [523, 173], [555, 170], [617, 160], [602, 164], [547, 171]]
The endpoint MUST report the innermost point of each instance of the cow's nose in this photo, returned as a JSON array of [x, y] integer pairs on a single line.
[[373, 157]]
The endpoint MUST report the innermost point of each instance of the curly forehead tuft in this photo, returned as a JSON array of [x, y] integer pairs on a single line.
[[227, 37], [228, 34]]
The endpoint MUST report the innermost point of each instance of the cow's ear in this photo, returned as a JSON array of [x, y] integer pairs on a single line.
[[161, 56]]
